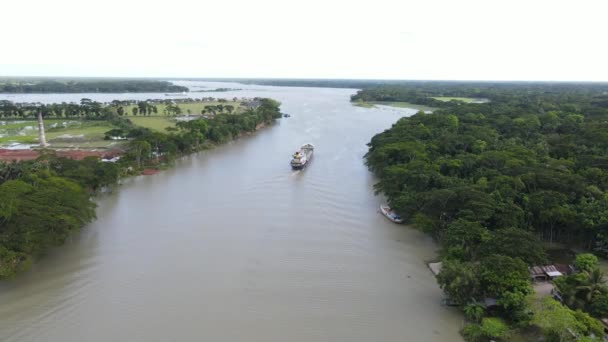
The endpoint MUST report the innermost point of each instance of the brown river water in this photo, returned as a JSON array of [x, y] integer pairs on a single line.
[[232, 245]]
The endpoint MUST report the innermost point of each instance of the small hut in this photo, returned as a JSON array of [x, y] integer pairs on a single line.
[[544, 273]]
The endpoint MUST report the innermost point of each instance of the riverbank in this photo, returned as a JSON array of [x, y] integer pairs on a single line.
[[144, 152], [291, 255], [487, 203]]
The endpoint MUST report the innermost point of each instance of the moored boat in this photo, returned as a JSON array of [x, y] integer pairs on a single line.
[[390, 214], [302, 157]]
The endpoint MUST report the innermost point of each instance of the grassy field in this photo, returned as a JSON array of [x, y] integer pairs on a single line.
[[461, 99], [190, 107], [89, 131], [81, 133], [90, 134], [157, 123]]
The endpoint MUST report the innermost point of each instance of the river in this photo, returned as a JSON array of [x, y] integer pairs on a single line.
[[232, 245]]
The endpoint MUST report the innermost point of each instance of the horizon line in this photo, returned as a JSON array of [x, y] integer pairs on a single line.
[[305, 79]]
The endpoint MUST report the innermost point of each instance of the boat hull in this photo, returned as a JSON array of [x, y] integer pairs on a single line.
[[388, 213], [301, 166]]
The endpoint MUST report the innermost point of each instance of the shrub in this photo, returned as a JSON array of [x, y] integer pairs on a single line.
[[592, 325], [493, 327], [586, 262], [489, 328], [599, 307], [474, 312]]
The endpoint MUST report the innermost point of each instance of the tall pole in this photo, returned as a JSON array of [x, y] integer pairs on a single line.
[[41, 136]]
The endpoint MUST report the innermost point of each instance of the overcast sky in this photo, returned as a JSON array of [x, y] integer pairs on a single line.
[[379, 39]]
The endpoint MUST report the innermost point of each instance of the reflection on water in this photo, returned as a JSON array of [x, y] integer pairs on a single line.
[[232, 245]]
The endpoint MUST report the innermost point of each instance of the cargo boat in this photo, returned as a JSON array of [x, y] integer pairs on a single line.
[[302, 157]]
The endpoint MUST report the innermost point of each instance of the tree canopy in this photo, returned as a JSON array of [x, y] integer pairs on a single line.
[[491, 181]]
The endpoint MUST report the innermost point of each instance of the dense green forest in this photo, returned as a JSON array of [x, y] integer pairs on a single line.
[[43, 201], [491, 181], [88, 86]]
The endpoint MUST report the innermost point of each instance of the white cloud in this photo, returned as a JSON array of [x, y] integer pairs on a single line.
[[437, 39]]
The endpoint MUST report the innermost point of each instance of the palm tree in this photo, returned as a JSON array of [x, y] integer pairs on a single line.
[[594, 285]]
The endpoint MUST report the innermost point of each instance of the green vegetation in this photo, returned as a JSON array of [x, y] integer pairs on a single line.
[[43, 201], [93, 110], [489, 328], [586, 291], [154, 123], [183, 108], [491, 181], [560, 323], [87, 86], [88, 121], [586, 262], [89, 130], [80, 132]]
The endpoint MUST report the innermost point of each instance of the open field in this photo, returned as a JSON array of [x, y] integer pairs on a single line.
[[74, 132], [68, 133], [157, 123], [461, 99], [19, 124], [86, 132]]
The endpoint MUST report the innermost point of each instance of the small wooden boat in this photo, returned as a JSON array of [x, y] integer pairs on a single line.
[[390, 214]]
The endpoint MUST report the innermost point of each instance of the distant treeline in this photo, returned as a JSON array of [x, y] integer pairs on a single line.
[[43, 201], [103, 86], [452, 88], [422, 93], [89, 109]]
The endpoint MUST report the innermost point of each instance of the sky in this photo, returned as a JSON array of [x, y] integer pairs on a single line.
[[379, 39]]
